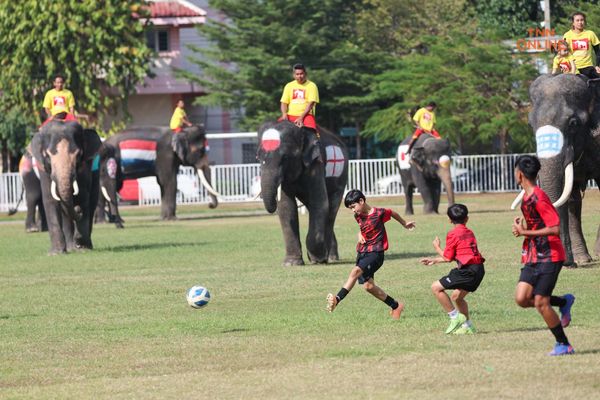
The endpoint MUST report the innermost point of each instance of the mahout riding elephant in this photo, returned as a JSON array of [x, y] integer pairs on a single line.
[[153, 151], [294, 165], [426, 168], [565, 116], [28, 170], [64, 151]]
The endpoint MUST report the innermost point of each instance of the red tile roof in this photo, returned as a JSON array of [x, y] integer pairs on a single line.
[[171, 9]]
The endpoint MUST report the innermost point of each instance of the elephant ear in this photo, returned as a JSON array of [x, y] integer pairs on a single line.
[[312, 150], [91, 144], [38, 145], [180, 146]]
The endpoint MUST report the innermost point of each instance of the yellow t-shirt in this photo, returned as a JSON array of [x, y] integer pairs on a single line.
[[59, 101], [425, 118], [564, 63], [177, 118], [297, 96], [580, 45]]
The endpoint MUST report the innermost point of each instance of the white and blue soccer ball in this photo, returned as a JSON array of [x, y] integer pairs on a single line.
[[198, 296]]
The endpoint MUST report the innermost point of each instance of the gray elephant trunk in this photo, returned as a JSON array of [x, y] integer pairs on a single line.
[[269, 185]]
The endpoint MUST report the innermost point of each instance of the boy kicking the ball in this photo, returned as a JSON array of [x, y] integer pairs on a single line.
[[372, 243], [461, 246], [542, 256]]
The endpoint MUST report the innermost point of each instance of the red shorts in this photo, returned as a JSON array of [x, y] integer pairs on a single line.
[[68, 117], [309, 120], [419, 132], [177, 130]]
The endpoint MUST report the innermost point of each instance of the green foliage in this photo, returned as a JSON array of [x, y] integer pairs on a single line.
[[480, 89], [14, 127], [254, 50], [99, 48], [511, 18], [592, 17]]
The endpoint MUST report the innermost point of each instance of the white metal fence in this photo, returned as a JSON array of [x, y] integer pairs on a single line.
[[241, 182]]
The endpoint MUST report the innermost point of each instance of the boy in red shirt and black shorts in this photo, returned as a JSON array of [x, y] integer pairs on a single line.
[[542, 256], [461, 246], [372, 243]]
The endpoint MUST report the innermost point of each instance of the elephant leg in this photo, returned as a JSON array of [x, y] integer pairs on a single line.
[[426, 191], [100, 214], [318, 237], [597, 246], [288, 218], [43, 223], [68, 227], [436, 192], [83, 227], [30, 222], [564, 235], [334, 205], [578, 245], [408, 197], [168, 191], [58, 244]]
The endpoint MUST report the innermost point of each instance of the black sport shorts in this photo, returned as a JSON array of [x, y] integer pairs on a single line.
[[542, 276], [467, 277], [369, 263]]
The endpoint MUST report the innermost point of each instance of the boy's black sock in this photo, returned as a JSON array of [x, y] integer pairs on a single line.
[[559, 334], [341, 294], [557, 301], [391, 302]]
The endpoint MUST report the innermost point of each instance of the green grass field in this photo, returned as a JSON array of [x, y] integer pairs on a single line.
[[113, 322]]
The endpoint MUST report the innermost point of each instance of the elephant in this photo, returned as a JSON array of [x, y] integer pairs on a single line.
[[565, 116], [28, 170], [294, 165], [65, 151], [153, 151], [426, 167]]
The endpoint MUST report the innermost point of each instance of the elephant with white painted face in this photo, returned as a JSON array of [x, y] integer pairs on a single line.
[[427, 167], [65, 151], [565, 117], [294, 166], [153, 151]]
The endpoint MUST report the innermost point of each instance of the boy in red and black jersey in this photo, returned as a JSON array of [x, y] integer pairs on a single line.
[[542, 255], [372, 243], [461, 246]]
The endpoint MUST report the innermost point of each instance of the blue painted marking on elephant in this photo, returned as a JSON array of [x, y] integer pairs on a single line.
[[96, 163], [549, 141], [137, 157]]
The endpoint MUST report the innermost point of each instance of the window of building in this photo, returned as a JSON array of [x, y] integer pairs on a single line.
[[249, 153], [158, 39]]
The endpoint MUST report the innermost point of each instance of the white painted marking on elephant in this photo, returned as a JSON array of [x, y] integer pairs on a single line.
[[549, 141], [75, 188], [105, 193], [444, 161], [111, 168], [403, 157], [271, 139], [335, 161]]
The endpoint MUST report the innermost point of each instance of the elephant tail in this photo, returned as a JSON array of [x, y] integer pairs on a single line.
[[13, 211]]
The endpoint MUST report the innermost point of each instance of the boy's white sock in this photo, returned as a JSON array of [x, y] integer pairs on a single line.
[[453, 314], [467, 323]]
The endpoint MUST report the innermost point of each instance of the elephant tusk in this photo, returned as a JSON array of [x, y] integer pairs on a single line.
[[206, 185], [567, 188], [278, 193], [518, 200], [75, 188], [105, 193], [53, 191]]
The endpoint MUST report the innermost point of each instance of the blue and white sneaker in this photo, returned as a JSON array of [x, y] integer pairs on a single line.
[[565, 311], [562, 350]]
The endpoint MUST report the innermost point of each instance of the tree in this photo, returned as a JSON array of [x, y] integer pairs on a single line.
[[14, 126], [254, 49], [101, 51], [481, 91]]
